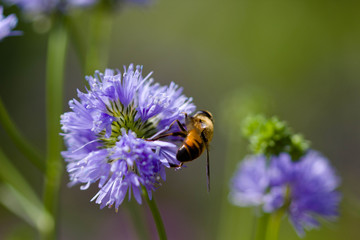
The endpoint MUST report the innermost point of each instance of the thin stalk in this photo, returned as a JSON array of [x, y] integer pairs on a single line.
[[262, 226], [24, 146], [156, 215], [99, 40], [272, 232], [57, 43]]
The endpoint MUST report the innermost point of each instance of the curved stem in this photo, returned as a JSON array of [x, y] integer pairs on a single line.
[[54, 85], [156, 215], [25, 148]]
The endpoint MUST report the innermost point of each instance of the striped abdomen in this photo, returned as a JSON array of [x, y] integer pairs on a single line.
[[192, 147]]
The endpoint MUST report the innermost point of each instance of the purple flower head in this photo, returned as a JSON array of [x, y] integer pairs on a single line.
[[7, 24], [306, 188], [107, 130]]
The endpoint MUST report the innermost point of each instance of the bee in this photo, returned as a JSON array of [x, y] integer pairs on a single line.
[[197, 136]]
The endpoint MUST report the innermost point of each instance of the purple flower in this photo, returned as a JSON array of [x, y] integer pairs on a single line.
[[306, 188], [7, 24], [107, 130]]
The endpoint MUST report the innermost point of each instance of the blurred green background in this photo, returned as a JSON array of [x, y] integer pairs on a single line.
[[299, 60]]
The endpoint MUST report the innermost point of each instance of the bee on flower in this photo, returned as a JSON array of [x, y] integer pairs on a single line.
[[107, 129]]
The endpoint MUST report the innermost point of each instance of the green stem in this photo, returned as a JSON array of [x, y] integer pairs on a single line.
[[54, 93], [272, 231], [25, 148], [99, 41], [156, 215], [262, 226]]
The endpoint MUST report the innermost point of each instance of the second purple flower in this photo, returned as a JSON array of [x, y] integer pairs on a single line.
[[305, 189]]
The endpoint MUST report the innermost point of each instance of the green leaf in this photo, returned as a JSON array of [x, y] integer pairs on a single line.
[[9, 174], [31, 212], [19, 197]]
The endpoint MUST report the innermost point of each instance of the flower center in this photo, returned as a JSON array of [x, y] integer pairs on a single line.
[[125, 118]]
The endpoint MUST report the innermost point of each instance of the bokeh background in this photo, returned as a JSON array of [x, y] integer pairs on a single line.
[[299, 60]]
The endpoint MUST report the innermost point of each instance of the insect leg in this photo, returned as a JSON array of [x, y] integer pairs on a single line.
[[180, 126], [181, 134], [165, 135], [176, 165]]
